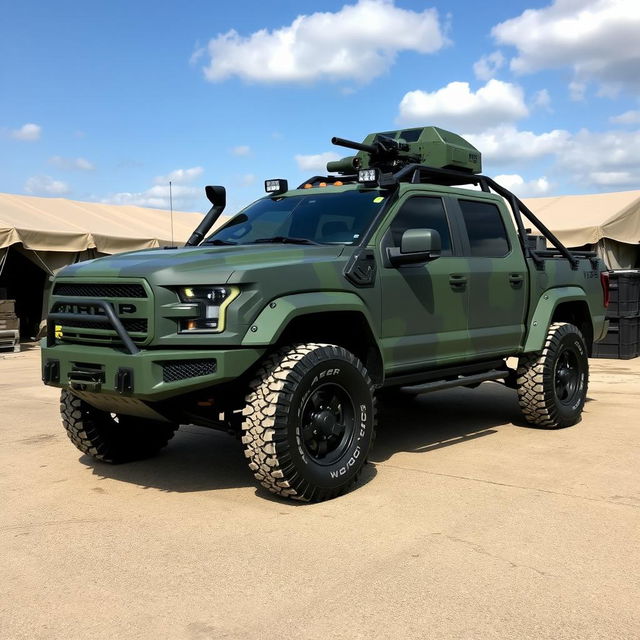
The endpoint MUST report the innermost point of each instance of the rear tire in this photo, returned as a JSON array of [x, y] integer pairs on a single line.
[[309, 422], [552, 386], [110, 437]]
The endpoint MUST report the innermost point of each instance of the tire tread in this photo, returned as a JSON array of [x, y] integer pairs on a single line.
[[265, 438]]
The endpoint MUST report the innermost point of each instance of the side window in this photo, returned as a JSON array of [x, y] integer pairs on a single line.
[[422, 212], [485, 228]]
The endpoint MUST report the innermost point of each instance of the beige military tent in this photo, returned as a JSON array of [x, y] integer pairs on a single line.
[[40, 235], [606, 222]]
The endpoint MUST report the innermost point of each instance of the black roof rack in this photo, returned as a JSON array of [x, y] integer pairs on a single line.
[[422, 174]]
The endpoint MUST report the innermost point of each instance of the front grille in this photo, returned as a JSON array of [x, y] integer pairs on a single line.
[[129, 300], [133, 325], [99, 290], [182, 369]]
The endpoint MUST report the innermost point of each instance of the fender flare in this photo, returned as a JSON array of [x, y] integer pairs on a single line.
[[274, 318], [541, 319]]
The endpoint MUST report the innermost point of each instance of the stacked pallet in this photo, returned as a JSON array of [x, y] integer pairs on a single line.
[[623, 339], [9, 326]]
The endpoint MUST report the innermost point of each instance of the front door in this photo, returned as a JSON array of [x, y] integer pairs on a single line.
[[424, 307]]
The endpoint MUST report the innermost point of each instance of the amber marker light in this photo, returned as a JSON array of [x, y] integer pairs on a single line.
[[308, 185]]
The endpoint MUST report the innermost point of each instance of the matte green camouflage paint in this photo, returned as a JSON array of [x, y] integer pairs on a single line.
[[417, 319]]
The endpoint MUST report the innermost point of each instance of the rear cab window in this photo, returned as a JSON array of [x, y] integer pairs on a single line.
[[485, 229]]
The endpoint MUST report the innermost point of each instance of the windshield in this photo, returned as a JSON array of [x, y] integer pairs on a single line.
[[322, 218]]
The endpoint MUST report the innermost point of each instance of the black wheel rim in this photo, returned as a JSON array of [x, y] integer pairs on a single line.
[[327, 424], [567, 377]]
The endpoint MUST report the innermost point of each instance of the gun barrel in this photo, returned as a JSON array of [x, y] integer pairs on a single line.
[[350, 144]]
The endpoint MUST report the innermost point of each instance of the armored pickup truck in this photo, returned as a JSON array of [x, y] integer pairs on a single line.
[[403, 268]]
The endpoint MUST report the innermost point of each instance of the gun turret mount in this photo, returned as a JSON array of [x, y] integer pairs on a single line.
[[392, 150]]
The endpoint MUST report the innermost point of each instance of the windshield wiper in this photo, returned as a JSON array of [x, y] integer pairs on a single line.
[[219, 242], [285, 240]]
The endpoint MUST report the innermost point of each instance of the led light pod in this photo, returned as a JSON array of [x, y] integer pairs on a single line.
[[276, 186]]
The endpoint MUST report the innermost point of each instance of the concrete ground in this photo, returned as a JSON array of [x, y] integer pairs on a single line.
[[468, 524]]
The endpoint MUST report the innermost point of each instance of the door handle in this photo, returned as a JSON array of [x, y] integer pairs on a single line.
[[516, 278], [457, 280]]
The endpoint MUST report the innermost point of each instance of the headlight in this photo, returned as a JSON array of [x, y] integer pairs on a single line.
[[213, 302]]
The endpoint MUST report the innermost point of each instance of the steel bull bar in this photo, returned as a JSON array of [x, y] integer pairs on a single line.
[[89, 380]]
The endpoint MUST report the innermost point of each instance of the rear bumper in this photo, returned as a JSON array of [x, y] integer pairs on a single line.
[[148, 374]]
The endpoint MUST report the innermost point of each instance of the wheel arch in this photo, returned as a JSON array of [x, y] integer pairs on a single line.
[[339, 318], [576, 312], [562, 304]]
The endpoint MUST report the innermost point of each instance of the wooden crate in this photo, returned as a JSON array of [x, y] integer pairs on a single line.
[[10, 339], [9, 321]]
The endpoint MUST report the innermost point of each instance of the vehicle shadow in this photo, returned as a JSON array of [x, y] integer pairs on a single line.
[[199, 459], [442, 419], [196, 459]]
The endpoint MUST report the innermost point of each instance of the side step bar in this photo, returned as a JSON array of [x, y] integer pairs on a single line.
[[461, 381]]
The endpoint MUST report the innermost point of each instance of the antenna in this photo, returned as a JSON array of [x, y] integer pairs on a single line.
[[171, 205]]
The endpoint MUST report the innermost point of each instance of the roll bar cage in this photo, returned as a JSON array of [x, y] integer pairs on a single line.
[[422, 174]]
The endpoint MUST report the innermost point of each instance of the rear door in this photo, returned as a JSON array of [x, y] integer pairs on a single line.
[[424, 307], [498, 278]]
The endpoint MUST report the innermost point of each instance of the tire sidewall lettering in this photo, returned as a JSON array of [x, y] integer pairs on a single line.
[[351, 380]]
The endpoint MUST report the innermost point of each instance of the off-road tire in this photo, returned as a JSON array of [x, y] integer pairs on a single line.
[[548, 399], [304, 394], [109, 437]]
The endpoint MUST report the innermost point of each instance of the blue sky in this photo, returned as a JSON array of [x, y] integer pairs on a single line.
[[107, 101]]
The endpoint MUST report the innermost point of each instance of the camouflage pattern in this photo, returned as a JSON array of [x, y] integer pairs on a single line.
[[417, 318]]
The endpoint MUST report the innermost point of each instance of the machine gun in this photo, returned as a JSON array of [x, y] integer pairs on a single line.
[[391, 151]]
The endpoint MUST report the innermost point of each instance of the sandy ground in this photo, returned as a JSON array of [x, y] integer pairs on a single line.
[[468, 524]]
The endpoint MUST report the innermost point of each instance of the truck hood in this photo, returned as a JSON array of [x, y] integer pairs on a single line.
[[200, 265]]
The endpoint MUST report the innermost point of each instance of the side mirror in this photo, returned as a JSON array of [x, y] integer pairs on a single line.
[[217, 196], [417, 246]]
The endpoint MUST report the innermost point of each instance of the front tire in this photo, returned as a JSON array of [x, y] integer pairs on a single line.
[[309, 422], [110, 437], [552, 386]]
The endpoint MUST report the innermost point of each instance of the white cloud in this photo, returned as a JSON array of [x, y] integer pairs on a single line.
[[542, 100], [597, 38], [577, 90], [523, 188], [612, 178], [358, 42], [317, 162], [507, 144], [628, 117], [247, 179], [241, 150], [180, 176], [69, 164], [27, 132], [604, 158], [457, 107], [487, 67], [185, 195], [46, 185], [590, 159]]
